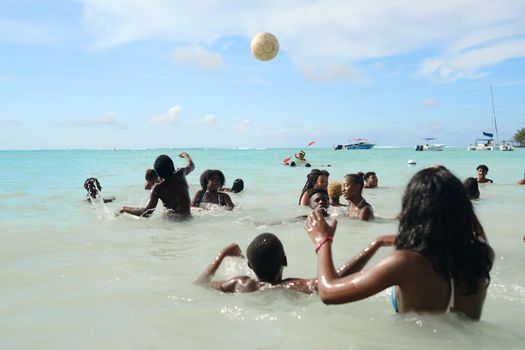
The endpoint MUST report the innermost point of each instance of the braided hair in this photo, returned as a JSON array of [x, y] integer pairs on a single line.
[[311, 179]]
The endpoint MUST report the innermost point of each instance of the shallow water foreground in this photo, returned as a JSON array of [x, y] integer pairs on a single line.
[[73, 275]]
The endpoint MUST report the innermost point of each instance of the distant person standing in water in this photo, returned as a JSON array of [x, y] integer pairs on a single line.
[[172, 190], [209, 196], [94, 189], [482, 170]]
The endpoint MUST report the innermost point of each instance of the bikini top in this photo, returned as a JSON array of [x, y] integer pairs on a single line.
[[204, 204], [450, 305]]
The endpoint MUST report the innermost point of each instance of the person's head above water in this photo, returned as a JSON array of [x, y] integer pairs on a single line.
[[92, 186], [212, 180], [319, 199], [438, 221], [151, 175], [353, 184], [266, 257], [371, 179], [164, 166], [472, 188], [237, 186]]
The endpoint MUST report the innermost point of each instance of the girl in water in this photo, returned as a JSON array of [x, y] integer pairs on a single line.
[[316, 179], [441, 260], [352, 185], [211, 181]]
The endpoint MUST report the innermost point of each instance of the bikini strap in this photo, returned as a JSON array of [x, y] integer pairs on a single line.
[[452, 292]]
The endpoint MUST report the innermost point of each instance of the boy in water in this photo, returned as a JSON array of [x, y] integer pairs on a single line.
[[151, 179], [482, 170], [371, 180], [172, 190], [94, 189], [267, 259]]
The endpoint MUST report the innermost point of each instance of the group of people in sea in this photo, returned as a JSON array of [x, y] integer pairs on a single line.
[[441, 261]]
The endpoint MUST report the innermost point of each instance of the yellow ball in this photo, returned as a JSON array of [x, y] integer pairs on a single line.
[[264, 46]]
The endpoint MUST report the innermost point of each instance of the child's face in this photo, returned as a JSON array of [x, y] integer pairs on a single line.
[[482, 172], [214, 183], [319, 200], [322, 182]]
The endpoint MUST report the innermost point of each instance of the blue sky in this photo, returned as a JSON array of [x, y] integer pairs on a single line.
[[160, 73]]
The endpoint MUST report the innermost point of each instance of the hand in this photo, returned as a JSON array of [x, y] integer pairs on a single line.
[[184, 155], [317, 227], [122, 210], [232, 250]]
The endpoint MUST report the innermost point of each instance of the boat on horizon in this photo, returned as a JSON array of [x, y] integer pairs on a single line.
[[486, 143], [358, 143], [430, 146]]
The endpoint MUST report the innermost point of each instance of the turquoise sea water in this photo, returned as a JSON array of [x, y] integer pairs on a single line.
[[74, 275]]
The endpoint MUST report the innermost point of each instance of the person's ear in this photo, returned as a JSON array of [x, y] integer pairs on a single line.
[[285, 261]]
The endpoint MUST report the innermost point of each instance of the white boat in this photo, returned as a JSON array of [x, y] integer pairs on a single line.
[[487, 142], [428, 145]]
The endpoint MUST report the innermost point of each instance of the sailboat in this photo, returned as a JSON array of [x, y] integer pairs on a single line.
[[486, 143]]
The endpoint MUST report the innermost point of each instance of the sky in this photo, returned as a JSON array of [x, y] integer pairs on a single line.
[[133, 74]]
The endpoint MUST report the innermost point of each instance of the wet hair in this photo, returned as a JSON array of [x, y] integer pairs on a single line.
[[358, 178], [207, 174], [164, 166], [368, 174], [334, 189], [483, 167], [311, 179], [237, 186], [471, 187], [266, 257], [438, 221], [150, 175], [92, 182]]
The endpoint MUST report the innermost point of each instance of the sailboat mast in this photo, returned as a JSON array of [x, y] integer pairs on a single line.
[[493, 114]]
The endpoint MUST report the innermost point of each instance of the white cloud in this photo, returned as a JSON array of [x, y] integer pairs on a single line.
[[197, 56], [326, 39], [244, 126], [171, 116], [209, 119]]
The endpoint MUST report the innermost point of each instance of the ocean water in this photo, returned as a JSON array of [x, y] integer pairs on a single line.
[[73, 275]]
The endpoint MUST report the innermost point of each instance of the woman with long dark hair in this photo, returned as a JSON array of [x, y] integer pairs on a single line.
[[441, 260], [315, 179]]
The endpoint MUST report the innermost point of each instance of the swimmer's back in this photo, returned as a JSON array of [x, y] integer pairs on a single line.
[[174, 193]]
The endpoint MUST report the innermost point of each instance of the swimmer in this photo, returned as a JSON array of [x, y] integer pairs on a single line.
[[151, 179], [237, 186], [482, 170], [353, 192], [471, 187], [267, 259], [371, 180], [441, 260], [211, 181], [315, 179], [334, 193], [318, 201], [94, 189], [172, 190]]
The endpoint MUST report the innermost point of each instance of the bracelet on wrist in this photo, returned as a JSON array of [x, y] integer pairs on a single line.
[[327, 239]]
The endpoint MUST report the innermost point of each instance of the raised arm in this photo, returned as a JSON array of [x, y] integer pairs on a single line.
[[190, 166], [205, 278], [336, 290], [147, 210]]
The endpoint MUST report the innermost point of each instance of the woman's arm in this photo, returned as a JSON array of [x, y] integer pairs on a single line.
[[358, 262], [360, 285], [227, 201], [304, 199], [197, 198]]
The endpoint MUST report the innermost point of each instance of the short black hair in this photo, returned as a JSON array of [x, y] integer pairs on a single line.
[[164, 166], [238, 186], [266, 257], [150, 175], [92, 182], [472, 188], [483, 167], [318, 190]]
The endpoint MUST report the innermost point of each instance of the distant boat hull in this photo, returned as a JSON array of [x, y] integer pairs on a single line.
[[355, 146]]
